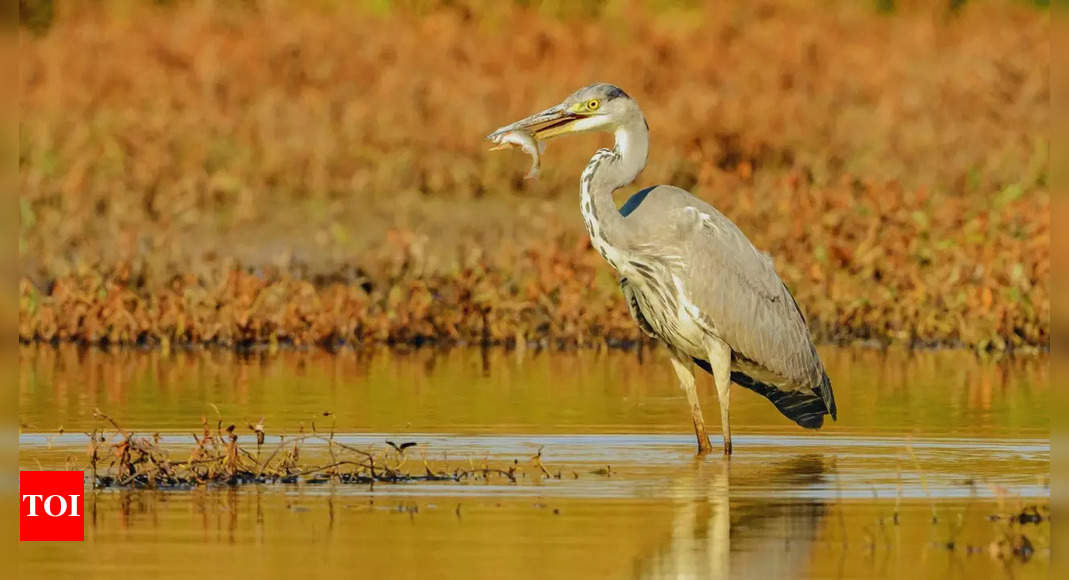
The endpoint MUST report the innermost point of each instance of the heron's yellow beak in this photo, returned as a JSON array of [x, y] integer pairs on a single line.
[[543, 126]]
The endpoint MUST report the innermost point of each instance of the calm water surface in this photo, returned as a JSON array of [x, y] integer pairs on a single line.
[[929, 446]]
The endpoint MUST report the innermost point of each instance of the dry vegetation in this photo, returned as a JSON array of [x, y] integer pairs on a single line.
[[288, 172], [119, 459]]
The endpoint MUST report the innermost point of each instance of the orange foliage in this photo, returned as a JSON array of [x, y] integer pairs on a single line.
[[315, 172]]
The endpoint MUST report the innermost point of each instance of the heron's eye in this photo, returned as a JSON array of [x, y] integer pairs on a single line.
[[593, 105]]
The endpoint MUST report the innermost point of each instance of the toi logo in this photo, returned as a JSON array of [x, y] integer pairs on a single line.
[[51, 506]]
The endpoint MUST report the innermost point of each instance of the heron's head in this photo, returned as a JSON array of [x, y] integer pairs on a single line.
[[598, 107]]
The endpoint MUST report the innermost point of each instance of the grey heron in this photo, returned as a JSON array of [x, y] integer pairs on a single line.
[[690, 277]]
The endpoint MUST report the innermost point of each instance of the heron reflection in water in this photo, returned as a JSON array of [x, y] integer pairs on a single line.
[[723, 527], [690, 277]]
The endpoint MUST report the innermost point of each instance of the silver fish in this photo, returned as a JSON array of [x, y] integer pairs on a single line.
[[525, 141]]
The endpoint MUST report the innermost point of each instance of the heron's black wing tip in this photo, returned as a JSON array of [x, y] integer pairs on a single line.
[[805, 407], [809, 421], [829, 397]]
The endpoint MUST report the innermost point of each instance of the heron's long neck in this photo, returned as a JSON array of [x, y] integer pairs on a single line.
[[607, 172]]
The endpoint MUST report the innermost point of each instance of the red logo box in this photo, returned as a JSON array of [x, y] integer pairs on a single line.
[[51, 506]]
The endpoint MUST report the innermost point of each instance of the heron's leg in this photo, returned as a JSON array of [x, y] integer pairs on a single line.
[[686, 382], [720, 362]]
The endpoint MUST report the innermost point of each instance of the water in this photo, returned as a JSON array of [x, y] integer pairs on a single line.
[[929, 449]]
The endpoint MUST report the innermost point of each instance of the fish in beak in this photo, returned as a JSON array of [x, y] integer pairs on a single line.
[[526, 142], [530, 134]]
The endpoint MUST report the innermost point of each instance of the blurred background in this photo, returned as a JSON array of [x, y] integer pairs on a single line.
[[282, 172]]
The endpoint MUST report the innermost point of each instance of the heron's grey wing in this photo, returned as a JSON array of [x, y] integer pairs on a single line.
[[633, 308], [741, 299]]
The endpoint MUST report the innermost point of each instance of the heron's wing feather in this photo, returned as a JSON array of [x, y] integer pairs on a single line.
[[633, 308], [735, 288]]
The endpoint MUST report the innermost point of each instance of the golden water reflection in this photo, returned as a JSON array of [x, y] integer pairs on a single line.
[[929, 445], [496, 391], [696, 528]]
